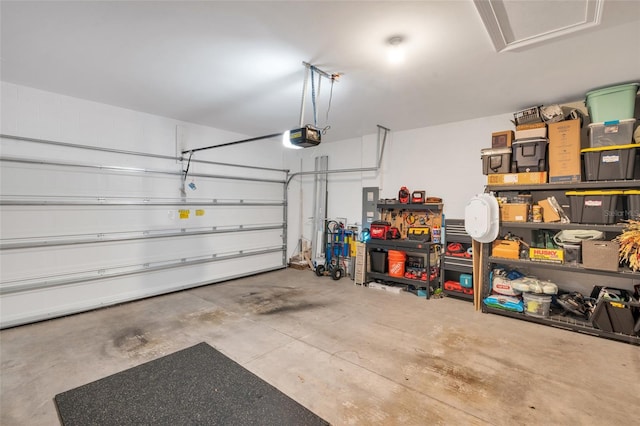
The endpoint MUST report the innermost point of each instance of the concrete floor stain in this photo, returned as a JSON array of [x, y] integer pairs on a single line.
[[215, 316], [290, 308], [130, 339], [277, 300]]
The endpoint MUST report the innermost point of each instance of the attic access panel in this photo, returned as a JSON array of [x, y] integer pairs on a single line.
[[518, 24]]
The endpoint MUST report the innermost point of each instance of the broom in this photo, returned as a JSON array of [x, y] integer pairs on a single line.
[[477, 273]]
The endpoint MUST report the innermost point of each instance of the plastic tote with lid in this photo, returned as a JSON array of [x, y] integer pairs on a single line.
[[597, 207], [633, 204], [612, 103], [609, 162], [530, 155], [496, 160]]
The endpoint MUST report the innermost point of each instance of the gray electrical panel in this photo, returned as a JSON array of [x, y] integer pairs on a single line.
[[370, 211]]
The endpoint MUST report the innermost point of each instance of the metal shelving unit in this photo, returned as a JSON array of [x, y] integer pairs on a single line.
[[559, 321], [425, 248], [566, 323], [602, 184], [416, 207], [412, 246], [559, 226], [625, 273]]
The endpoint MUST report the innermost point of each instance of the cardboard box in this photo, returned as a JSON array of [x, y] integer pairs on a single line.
[[529, 178], [539, 132], [501, 139], [546, 255], [514, 212], [549, 213], [600, 255], [531, 125], [564, 151]]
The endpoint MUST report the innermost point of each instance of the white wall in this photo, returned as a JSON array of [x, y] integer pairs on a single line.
[[78, 275], [443, 160]]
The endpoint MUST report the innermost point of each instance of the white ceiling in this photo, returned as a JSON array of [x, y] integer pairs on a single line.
[[237, 65]]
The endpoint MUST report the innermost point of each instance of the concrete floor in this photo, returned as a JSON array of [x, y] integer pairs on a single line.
[[353, 355]]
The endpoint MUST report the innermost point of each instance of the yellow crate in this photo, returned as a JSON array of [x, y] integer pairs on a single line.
[[546, 255]]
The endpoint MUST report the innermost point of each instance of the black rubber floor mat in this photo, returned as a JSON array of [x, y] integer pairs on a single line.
[[194, 386]]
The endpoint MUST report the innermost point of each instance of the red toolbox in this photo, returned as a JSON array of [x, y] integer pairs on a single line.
[[451, 285], [379, 230]]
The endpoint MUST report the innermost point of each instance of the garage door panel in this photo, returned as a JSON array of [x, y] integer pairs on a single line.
[[84, 227], [28, 306]]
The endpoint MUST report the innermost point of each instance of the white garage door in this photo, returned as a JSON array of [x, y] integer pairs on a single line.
[[84, 227]]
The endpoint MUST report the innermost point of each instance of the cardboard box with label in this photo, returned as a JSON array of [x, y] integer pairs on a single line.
[[564, 151], [514, 212], [530, 178]]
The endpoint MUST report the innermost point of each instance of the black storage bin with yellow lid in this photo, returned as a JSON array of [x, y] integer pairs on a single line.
[[633, 203], [597, 207], [530, 154], [609, 162]]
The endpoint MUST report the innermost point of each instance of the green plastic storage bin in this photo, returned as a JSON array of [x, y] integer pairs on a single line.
[[612, 103]]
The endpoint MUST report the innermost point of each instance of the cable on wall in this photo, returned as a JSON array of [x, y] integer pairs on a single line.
[[186, 172]]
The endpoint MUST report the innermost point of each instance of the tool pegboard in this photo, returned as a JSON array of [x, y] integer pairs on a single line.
[[403, 216]]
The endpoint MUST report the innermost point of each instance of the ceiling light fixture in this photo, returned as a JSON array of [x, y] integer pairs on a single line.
[[396, 50]]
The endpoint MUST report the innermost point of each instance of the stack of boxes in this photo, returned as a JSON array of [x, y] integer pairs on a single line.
[[540, 152], [611, 155], [530, 143], [549, 149], [552, 152]]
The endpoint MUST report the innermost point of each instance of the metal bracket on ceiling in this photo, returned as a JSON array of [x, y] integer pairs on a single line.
[[308, 68], [313, 69]]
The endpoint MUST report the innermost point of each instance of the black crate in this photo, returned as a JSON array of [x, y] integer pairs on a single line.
[[599, 207], [609, 162], [416, 262], [379, 261], [530, 155], [615, 317], [633, 204]]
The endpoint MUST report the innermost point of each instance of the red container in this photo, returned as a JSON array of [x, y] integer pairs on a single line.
[[379, 230], [451, 285]]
